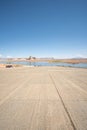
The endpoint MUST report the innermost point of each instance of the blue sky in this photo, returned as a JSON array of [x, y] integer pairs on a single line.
[[43, 28]]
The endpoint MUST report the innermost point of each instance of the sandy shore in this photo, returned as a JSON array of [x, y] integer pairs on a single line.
[[43, 98], [2, 65], [13, 65]]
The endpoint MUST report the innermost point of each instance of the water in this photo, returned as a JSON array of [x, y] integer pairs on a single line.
[[81, 65]]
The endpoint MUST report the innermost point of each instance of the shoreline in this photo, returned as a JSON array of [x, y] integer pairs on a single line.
[[20, 65], [68, 61], [11, 65]]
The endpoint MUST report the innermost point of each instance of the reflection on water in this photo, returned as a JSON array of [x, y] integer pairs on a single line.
[[82, 65]]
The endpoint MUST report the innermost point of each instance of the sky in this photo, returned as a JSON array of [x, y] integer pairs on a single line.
[[43, 28]]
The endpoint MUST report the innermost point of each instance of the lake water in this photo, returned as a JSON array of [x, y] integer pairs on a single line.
[[81, 65]]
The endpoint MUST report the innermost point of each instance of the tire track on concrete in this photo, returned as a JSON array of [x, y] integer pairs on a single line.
[[74, 83], [13, 91], [65, 108]]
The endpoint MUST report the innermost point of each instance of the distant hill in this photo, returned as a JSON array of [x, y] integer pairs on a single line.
[[78, 58]]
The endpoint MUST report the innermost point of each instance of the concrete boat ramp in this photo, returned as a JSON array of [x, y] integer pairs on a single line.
[[43, 98]]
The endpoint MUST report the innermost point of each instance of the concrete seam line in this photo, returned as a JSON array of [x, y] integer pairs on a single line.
[[65, 108]]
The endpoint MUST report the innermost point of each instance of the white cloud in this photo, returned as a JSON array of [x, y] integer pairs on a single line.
[[9, 56], [0, 55], [80, 56]]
